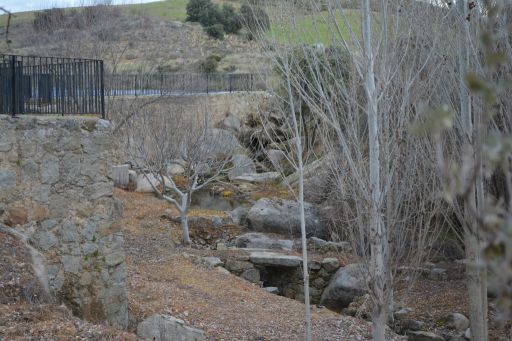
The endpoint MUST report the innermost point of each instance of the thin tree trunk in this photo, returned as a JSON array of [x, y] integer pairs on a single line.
[[184, 219], [477, 288], [300, 169], [378, 233]]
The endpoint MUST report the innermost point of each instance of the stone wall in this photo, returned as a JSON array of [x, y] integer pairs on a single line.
[[284, 272], [55, 188]]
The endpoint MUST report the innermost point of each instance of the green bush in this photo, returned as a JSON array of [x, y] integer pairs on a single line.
[[211, 16], [215, 31], [196, 9], [210, 64], [231, 21], [255, 18]]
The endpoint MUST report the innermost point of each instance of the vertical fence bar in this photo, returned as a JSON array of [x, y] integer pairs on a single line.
[[102, 89], [13, 85]]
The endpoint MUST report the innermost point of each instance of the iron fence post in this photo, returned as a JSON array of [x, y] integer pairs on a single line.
[[13, 85], [102, 89]]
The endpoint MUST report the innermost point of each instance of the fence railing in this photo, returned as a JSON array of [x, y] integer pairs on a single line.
[[49, 85], [180, 84]]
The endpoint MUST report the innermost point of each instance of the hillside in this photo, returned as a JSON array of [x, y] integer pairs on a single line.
[[142, 37]]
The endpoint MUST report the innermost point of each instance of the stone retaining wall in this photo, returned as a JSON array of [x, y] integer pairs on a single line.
[[55, 188], [284, 272]]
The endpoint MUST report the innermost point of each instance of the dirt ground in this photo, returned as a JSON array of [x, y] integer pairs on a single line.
[[164, 279]]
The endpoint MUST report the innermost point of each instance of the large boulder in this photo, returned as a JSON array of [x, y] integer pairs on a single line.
[[220, 142], [257, 240], [144, 182], [455, 321], [267, 177], [279, 161], [423, 336], [346, 285], [167, 328], [232, 123], [283, 217], [242, 164], [275, 259]]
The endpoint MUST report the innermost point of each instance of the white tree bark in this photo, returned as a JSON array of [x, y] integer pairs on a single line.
[[300, 170], [475, 266], [378, 233]]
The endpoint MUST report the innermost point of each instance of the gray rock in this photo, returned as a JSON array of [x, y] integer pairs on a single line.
[[242, 164], [330, 264], [46, 240], [239, 215], [251, 275], [167, 328], [457, 338], [310, 170], [402, 313], [267, 177], [103, 125], [275, 259], [5, 147], [7, 179], [175, 169], [221, 247], [213, 261], [346, 285], [423, 336], [232, 123], [114, 258], [282, 216], [321, 245], [29, 169], [456, 321], [237, 265], [132, 178], [467, 334], [144, 183], [272, 290], [279, 161], [71, 263], [257, 240], [413, 325], [437, 274], [223, 270], [50, 170], [69, 232], [41, 193], [314, 265], [220, 142]]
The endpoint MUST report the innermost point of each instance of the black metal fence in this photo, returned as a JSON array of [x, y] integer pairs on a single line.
[[180, 84], [48, 85]]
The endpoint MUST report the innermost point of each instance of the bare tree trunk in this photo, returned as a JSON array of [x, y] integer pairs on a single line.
[[300, 169], [475, 268], [378, 233], [184, 219]]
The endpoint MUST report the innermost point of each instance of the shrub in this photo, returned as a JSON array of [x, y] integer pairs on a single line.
[[211, 16], [255, 18], [49, 19], [210, 64], [231, 21], [197, 8], [215, 31]]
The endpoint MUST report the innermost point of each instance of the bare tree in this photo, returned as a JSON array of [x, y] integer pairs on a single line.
[[365, 89], [162, 138]]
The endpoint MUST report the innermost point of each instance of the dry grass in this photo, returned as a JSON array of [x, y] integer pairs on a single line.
[[164, 279]]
